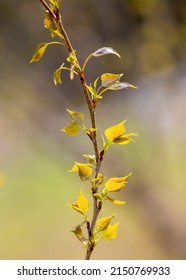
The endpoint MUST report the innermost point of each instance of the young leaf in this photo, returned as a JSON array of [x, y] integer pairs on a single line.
[[105, 51], [79, 234], [115, 201], [41, 48], [108, 79], [119, 86], [72, 129], [81, 205], [115, 184], [103, 223], [110, 232], [77, 117], [115, 131], [90, 158], [84, 170], [124, 139], [57, 75]]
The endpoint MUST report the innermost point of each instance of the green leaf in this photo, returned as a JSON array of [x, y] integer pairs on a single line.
[[41, 48], [72, 129], [105, 51], [110, 232]]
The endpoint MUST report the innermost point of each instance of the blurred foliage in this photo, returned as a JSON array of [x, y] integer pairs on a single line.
[[35, 156]]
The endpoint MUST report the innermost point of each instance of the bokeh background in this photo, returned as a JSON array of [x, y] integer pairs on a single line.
[[35, 156]]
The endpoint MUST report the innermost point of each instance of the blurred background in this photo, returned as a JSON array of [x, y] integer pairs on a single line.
[[35, 156]]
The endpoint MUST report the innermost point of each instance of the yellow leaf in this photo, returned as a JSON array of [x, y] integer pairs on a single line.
[[115, 131], [81, 205], [109, 79], [83, 170], [77, 117], [98, 181], [72, 129], [115, 201], [116, 183], [103, 223], [79, 234], [57, 75], [124, 139], [110, 232], [41, 50]]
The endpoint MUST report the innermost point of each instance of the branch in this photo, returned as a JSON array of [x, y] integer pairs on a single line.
[[55, 15]]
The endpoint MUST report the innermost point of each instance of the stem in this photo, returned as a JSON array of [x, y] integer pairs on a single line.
[[58, 21]]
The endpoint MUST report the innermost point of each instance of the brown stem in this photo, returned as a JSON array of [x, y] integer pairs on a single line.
[[58, 21]]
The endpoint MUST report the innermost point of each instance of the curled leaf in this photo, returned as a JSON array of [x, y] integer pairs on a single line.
[[115, 184], [79, 234], [57, 75], [115, 201], [81, 205], [105, 51], [84, 170]]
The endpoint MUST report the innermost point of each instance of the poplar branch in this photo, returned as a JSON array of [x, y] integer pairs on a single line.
[[58, 21]]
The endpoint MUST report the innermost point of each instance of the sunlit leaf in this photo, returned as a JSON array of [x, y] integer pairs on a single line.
[[77, 117], [109, 79], [110, 233], [41, 50], [105, 51], [84, 170], [115, 201], [72, 129], [81, 205], [124, 139], [103, 223], [115, 131], [115, 184]]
